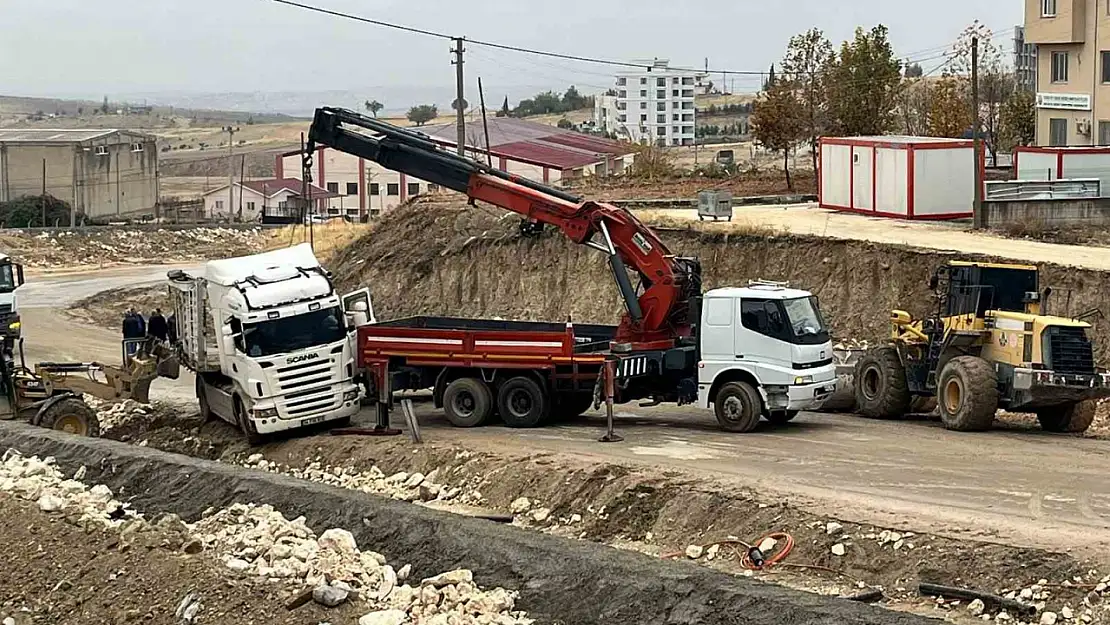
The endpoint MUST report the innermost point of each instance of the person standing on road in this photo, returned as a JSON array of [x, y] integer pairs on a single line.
[[157, 327]]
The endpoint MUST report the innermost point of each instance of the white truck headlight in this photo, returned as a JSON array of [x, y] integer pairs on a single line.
[[350, 395], [265, 413], [803, 379]]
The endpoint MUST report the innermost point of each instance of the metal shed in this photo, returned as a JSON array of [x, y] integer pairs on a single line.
[[1058, 163], [896, 176]]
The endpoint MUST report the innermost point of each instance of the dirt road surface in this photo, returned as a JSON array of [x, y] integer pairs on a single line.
[[949, 236], [1020, 487]]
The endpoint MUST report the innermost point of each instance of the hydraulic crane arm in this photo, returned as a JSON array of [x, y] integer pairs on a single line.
[[657, 318]]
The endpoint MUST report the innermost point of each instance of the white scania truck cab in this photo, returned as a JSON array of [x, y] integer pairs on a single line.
[[270, 341], [11, 278], [765, 351]]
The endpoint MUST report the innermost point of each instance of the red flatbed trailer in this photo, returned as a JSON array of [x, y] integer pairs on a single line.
[[525, 371]]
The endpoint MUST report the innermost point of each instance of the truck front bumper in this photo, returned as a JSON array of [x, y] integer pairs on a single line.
[[802, 396], [348, 407], [1035, 388]]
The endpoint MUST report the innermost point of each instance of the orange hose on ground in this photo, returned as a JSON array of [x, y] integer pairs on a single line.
[[786, 540]]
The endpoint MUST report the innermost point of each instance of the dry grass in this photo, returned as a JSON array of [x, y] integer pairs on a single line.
[[660, 220], [328, 239]]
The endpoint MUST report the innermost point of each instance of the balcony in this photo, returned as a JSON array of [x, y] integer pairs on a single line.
[[1055, 21]]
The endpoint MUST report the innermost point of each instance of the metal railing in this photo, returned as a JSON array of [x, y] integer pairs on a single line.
[[1066, 189]]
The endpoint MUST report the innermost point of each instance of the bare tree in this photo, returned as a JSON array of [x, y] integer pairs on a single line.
[[806, 64]]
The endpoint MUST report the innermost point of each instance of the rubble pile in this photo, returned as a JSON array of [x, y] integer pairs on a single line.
[[401, 486], [113, 415], [257, 543], [122, 245]]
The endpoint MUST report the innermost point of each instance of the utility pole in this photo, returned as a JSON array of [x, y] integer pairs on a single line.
[[460, 99], [230, 130], [44, 193], [977, 207]]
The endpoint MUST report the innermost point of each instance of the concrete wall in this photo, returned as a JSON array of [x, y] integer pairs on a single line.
[[1049, 213]]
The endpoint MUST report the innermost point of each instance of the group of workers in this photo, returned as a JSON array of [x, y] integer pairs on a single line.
[[158, 327]]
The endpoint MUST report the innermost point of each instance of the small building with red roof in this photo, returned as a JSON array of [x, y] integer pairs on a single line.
[[249, 199]]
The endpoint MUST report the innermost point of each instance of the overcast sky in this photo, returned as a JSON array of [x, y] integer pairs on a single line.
[[91, 47]]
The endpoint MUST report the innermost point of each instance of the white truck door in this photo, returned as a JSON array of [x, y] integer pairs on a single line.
[[358, 307], [717, 332], [758, 339]]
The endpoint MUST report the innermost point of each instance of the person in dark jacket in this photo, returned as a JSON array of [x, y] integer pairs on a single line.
[[157, 326], [132, 325]]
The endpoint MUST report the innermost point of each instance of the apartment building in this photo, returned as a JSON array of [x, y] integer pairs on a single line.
[[1073, 70], [654, 103], [1025, 61]]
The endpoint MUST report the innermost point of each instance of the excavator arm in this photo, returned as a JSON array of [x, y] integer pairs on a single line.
[[663, 314]]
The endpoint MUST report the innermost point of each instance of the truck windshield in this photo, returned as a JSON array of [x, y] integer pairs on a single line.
[[805, 317], [290, 334], [7, 279]]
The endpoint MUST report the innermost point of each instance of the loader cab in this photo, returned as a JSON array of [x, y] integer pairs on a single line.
[[975, 288]]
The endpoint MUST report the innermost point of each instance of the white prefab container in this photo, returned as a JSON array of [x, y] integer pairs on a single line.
[[1059, 163], [894, 176]]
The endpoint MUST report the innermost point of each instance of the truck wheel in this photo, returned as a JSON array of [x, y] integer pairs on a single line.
[[467, 402], [967, 394], [880, 379], [202, 401], [522, 403], [738, 407], [71, 415], [1070, 419], [778, 417], [253, 437]]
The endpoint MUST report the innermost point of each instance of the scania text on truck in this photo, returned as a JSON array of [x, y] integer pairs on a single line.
[[761, 351], [269, 340]]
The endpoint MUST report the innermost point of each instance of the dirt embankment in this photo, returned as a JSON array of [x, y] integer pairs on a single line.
[[443, 259], [757, 183], [106, 308], [104, 246]]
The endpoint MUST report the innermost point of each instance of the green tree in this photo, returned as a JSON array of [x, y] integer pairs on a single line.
[[914, 71], [912, 107], [1018, 119], [422, 114], [104, 107], [770, 82], [778, 123], [949, 108], [807, 60], [996, 84], [565, 123], [863, 81], [374, 107]]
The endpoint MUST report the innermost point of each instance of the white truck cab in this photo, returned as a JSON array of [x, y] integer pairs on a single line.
[[765, 351], [11, 278], [270, 340]]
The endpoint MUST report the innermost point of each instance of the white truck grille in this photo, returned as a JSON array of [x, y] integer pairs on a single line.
[[307, 388]]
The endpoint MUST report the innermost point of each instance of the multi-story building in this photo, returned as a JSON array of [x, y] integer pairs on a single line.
[[1073, 70], [654, 103], [1025, 61]]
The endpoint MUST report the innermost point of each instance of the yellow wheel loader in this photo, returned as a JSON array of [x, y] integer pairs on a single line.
[[52, 394], [990, 345]]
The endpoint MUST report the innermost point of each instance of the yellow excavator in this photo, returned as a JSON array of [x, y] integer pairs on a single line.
[[51, 394], [990, 344]]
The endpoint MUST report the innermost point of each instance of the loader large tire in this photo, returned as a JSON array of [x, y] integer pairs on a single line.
[[71, 415], [1070, 419], [880, 379], [967, 394]]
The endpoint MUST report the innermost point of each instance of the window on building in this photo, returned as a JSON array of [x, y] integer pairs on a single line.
[[660, 119], [219, 205], [643, 106], [643, 81], [676, 142], [392, 188], [1059, 67], [688, 105], [1048, 8], [660, 82], [675, 130], [621, 106], [643, 93], [622, 118], [661, 106], [250, 205], [687, 117], [284, 204], [622, 94], [333, 187], [687, 93], [622, 82], [674, 93], [375, 188], [674, 118], [1106, 63], [1103, 132], [674, 81], [643, 118], [352, 188], [662, 93], [414, 188], [661, 143], [687, 81], [687, 130], [1057, 132]]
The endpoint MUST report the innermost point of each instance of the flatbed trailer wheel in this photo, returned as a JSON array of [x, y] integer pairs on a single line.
[[1069, 419], [881, 389], [467, 402], [738, 407], [522, 403], [71, 415], [967, 394]]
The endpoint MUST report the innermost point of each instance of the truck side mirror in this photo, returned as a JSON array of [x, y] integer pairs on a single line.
[[18, 274]]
